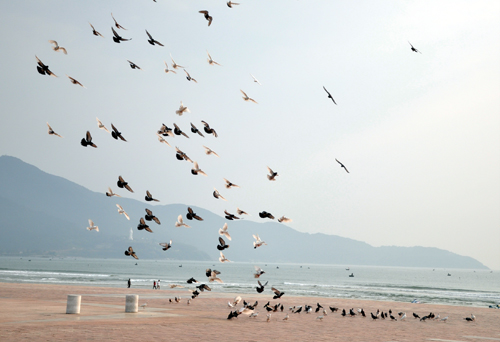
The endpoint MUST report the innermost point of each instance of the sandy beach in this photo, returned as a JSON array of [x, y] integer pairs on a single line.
[[38, 313]]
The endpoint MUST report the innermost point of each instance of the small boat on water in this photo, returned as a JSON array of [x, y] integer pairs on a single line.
[[348, 269], [351, 275]]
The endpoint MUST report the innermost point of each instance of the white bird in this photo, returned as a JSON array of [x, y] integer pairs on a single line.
[[268, 317], [143, 306], [223, 258], [182, 109], [162, 139], [209, 151], [196, 170], [245, 311], [320, 318], [241, 212], [101, 126], [403, 317], [223, 231], [444, 319], [51, 131], [286, 317], [437, 317], [56, 47], [180, 222], [92, 226], [258, 242], [324, 312], [218, 195], [188, 301], [255, 80], [254, 314], [110, 193], [230, 305], [284, 219], [213, 277], [121, 211], [236, 300], [258, 272], [246, 98], [172, 286], [175, 65], [167, 70], [210, 60]]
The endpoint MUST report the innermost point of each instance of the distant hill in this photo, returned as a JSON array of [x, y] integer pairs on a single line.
[[43, 214]]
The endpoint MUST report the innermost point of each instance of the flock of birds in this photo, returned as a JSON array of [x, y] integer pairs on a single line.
[[164, 133]]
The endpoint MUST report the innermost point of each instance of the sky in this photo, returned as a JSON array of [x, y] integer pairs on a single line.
[[418, 132]]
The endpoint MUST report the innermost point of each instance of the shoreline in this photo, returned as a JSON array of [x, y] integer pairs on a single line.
[[38, 312]]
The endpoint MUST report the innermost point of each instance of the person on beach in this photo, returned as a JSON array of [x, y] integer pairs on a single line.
[[128, 283], [154, 284], [158, 284]]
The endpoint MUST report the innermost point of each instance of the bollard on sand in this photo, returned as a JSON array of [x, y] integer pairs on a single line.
[[132, 303], [73, 305]]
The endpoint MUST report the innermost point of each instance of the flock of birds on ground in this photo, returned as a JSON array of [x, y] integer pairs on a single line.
[[165, 132]]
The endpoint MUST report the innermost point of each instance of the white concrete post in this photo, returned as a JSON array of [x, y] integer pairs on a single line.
[[132, 303], [73, 305]]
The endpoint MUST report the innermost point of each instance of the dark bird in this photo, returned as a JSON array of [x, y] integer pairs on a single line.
[[415, 315], [363, 313], [260, 288], [203, 287], [207, 16], [192, 280], [278, 293], [332, 309], [208, 272], [51, 131], [222, 244], [165, 131], [373, 316], [94, 31], [265, 214], [43, 69], [230, 185], [392, 318], [116, 23], [343, 313], [116, 133], [177, 131], [272, 175], [298, 310], [117, 38], [217, 195], [189, 78], [352, 313], [142, 225], [122, 184], [152, 41], [87, 141], [233, 314], [230, 4], [196, 130], [318, 306], [181, 155], [192, 215], [329, 95], [131, 252], [342, 165], [208, 129], [424, 318], [413, 48], [133, 65], [72, 80], [149, 197], [166, 245], [150, 217], [194, 294], [230, 216]]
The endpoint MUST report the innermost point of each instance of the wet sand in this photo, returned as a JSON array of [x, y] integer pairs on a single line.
[[37, 312]]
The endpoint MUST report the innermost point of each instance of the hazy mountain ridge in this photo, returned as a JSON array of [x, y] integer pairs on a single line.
[[46, 214]]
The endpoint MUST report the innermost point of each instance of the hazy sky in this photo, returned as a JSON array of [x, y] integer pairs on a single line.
[[419, 133]]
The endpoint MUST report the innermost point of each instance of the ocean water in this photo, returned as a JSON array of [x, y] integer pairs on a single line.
[[477, 288]]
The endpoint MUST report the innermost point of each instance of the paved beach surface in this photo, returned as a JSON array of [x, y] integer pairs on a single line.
[[37, 312]]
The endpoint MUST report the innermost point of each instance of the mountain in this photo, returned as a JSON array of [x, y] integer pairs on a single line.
[[43, 214]]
